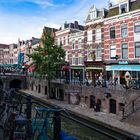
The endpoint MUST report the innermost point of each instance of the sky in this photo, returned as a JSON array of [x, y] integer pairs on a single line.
[[24, 19]]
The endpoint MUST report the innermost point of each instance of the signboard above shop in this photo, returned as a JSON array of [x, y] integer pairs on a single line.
[[123, 67], [123, 62]]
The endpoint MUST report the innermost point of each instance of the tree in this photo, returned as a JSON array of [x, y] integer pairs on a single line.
[[48, 58]]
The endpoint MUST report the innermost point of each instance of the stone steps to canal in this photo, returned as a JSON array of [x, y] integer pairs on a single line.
[[134, 118], [111, 121]]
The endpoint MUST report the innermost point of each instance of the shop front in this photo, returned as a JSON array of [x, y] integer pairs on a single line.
[[93, 70], [77, 74], [119, 72]]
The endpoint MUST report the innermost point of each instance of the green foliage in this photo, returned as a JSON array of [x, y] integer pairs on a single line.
[[49, 58]]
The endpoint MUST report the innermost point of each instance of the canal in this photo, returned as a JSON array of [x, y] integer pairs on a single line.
[[77, 126]]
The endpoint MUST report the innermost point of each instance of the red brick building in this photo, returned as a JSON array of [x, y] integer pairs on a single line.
[[122, 40]]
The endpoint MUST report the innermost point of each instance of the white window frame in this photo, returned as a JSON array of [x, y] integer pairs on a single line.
[[98, 34], [89, 36], [98, 49], [67, 56], [73, 60], [79, 43], [112, 51], [120, 10], [66, 40], [124, 28], [135, 25], [93, 15], [80, 59]]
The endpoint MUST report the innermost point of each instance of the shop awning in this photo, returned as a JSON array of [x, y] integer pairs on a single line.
[[95, 68], [123, 67]]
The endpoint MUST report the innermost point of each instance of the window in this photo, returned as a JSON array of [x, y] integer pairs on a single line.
[[98, 51], [93, 15], [80, 59], [112, 51], [66, 40], [74, 60], [137, 49], [124, 51], [98, 34], [73, 44], [79, 43], [137, 27], [89, 53], [58, 41], [123, 8], [89, 35], [112, 32], [66, 56], [124, 32]]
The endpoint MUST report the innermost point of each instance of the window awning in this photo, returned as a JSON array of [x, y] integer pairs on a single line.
[[124, 67]]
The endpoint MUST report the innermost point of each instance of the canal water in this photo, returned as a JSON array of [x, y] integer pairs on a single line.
[[72, 127]]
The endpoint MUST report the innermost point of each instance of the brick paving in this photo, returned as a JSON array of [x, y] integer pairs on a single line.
[[109, 119]]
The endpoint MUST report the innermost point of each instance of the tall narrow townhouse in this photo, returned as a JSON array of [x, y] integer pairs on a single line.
[[77, 55], [26, 47], [94, 43], [69, 44], [4, 54], [13, 53], [122, 40]]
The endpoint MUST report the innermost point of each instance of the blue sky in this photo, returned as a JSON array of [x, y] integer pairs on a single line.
[[26, 18]]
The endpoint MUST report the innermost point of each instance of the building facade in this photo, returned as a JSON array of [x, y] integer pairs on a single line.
[[122, 40]]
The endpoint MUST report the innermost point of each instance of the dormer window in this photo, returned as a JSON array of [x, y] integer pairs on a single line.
[[123, 8], [93, 15]]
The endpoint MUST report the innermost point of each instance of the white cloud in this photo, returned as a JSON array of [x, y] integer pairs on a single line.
[[13, 27]]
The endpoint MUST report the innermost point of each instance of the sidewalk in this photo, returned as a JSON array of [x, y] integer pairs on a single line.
[[108, 119]]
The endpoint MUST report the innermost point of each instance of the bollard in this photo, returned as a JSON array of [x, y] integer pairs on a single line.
[[29, 115], [57, 125]]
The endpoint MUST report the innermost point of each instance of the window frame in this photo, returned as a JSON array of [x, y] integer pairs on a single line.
[[89, 36], [73, 44], [79, 43], [98, 34], [123, 49], [124, 28], [125, 5], [113, 33], [98, 51], [80, 59], [112, 49], [138, 22], [137, 48]]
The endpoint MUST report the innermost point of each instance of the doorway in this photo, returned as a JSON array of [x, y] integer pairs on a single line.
[[112, 106], [92, 101], [46, 90]]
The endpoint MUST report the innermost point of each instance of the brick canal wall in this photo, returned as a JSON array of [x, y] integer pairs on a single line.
[[98, 98]]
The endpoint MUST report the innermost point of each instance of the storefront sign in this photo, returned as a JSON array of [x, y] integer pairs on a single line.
[[123, 62], [124, 67]]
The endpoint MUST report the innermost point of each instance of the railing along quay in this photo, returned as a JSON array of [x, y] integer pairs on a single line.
[[92, 125]]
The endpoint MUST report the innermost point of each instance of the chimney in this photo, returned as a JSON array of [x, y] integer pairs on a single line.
[[76, 24]]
